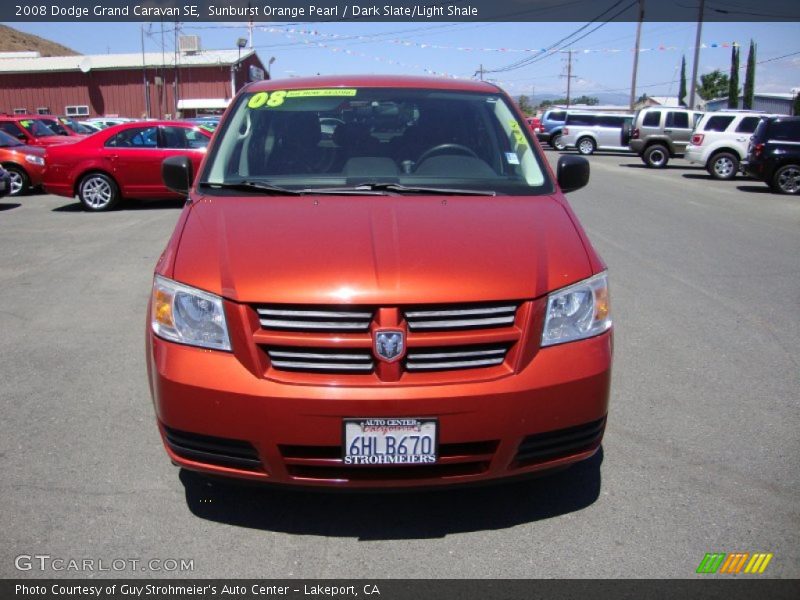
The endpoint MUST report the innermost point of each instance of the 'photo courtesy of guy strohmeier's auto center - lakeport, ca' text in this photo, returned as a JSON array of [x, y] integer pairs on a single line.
[[414, 299]]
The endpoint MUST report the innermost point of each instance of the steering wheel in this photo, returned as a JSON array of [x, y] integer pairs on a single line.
[[442, 147]]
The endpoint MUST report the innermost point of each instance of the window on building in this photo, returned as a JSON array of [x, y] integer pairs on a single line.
[[77, 111], [20, 111], [42, 110]]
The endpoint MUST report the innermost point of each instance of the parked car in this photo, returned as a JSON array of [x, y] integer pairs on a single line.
[[123, 161], [535, 123], [33, 130], [661, 133], [105, 122], [23, 163], [588, 132], [92, 127], [720, 141], [774, 154], [414, 307], [5, 185], [552, 122]]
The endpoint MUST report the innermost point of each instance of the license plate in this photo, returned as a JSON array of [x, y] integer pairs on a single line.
[[390, 441]]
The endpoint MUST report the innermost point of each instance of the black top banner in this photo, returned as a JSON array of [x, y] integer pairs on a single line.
[[400, 10]]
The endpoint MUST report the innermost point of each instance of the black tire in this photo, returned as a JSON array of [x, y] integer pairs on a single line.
[[586, 146], [656, 156], [723, 165], [19, 184], [557, 142], [98, 192], [786, 180]]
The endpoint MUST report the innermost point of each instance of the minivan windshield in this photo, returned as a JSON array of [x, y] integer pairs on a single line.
[[341, 138]]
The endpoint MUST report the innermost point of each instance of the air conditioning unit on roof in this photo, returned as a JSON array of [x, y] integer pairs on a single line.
[[189, 44]]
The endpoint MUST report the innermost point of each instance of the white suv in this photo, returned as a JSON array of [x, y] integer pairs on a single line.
[[719, 141]]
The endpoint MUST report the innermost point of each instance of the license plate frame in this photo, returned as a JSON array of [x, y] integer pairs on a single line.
[[402, 430]]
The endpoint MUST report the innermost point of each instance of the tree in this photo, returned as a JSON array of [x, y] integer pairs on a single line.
[[682, 89], [796, 110], [525, 105], [733, 82], [642, 98], [750, 78], [588, 100], [713, 85]]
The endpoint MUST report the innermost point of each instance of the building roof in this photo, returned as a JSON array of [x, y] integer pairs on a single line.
[[669, 101], [88, 62], [771, 95]]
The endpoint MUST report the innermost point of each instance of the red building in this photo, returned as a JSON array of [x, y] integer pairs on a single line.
[[154, 84]]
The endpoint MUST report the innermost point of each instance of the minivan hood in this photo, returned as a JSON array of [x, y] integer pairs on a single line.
[[379, 250]]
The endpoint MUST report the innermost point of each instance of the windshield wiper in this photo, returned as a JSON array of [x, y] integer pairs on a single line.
[[252, 186], [403, 189]]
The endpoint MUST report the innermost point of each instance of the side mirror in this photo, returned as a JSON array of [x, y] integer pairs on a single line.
[[572, 173], [176, 171]]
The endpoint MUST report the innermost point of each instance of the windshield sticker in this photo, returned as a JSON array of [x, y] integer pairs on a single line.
[[512, 158], [25, 123], [276, 98]]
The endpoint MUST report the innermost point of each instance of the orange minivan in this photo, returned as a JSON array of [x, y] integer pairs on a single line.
[[407, 302]]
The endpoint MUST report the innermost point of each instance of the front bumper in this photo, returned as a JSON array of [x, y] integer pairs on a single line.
[[294, 431]]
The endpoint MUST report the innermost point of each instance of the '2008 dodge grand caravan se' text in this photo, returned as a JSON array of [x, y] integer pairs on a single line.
[[400, 298]]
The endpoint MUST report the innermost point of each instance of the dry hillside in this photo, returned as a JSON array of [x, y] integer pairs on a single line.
[[12, 40]]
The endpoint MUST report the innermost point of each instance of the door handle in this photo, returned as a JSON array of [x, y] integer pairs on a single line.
[[668, 131], [741, 139]]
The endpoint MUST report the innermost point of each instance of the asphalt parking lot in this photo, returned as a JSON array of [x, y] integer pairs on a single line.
[[700, 453]]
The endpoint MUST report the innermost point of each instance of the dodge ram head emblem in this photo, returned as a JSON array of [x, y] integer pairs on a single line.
[[389, 344]]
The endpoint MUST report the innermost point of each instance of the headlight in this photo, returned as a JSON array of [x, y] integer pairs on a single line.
[[188, 316], [34, 160], [577, 312]]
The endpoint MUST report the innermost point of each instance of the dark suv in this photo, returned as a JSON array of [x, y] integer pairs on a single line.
[[774, 154]]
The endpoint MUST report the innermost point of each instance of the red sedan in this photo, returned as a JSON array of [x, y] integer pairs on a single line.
[[123, 161], [24, 164], [33, 130]]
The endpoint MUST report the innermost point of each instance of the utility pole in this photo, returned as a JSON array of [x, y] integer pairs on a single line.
[[480, 71], [636, 54], [693, 87], [144, 80], [569, 75]]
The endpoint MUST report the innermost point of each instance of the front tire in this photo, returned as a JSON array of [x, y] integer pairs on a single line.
[[586, 146], [98, 192], [557, 142], [723, 166], [656, 156], [19, 183], [786, 180]]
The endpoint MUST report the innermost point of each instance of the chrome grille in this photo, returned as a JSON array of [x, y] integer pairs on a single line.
[[330, 361], [297, 319], [447, 359], [469, 317]]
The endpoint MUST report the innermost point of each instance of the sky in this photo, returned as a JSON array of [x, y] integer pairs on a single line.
[[602, 61]]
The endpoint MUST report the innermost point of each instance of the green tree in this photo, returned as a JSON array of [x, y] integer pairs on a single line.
[[682, 89], [750, 78], [713, 85], [525, 105], [588, 100], [796, 110], [733, 82], [642, 98]]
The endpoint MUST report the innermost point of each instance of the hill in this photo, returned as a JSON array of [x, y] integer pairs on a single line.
[[12, 40]]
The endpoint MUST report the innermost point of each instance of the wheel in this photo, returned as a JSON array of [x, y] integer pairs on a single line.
[[444, 148], [723, 165], [98, 192], [656, 156], [19, 183], [557, 142], [586, 146], [787, 180]]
